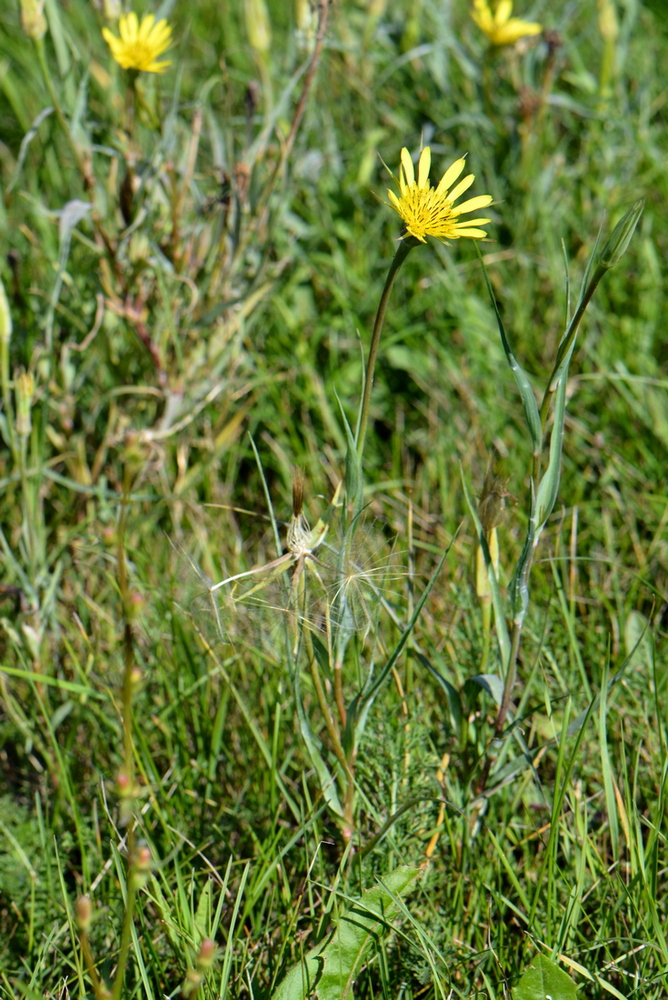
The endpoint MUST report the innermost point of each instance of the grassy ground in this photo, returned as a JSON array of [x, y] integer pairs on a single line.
[[192, 269]]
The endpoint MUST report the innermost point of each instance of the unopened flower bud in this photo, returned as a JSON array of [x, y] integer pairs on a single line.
[[135, 603], [257, 25], [124, 786], [24, 389], [192, 983], [5, 317], [608, 22], [306, 22], [142, 859], [207, 954], [112, 10], [483, 587], [621, 236], [84, 911], [141, 864], [33, 21], [108, 535]]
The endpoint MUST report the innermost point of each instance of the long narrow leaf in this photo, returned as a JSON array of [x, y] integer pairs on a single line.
[[526, 392], [503, 638]]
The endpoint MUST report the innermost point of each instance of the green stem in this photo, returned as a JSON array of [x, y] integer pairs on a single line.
[[128, 742], [126, 935], [99, 989], [128, 646], [404, 248]]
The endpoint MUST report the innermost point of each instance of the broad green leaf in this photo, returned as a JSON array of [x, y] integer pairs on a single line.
[[549, 484], [491, 683], [638, 638], [451, 692], [544, 980], [329, 970], [518, 590], [203, 912]]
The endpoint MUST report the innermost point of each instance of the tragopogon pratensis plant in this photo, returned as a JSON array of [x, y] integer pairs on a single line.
[[425, 211]]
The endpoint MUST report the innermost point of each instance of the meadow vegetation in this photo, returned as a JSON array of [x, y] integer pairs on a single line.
[[300, 696]]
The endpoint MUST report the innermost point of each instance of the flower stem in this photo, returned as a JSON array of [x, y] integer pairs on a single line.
[[404, 248], [129, 684]]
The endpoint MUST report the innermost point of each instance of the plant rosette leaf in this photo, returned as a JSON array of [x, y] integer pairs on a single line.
[[543, 980]]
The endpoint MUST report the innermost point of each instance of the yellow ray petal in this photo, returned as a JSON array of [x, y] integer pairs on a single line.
[[503, 12], [423, 167], [407, 164], [476, 234], [146, 27], [450, 176], [128, 27], [459, 189], [480, 201]]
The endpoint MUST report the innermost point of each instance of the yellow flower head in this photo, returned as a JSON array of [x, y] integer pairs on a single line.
[[429, 211], [500, 27], [140, 44]]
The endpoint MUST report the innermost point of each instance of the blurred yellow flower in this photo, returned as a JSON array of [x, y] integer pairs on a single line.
[[140, 44], [500, 27], [429, 211]]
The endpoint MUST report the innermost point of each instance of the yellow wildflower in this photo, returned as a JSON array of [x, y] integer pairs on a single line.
[[140, 44], [500, 27], [429, 211]]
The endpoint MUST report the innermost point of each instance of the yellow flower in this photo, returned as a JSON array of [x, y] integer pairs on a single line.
[[429, 211], [140, 44], [500, 27]]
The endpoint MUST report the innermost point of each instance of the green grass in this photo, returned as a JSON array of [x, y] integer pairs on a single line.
[[194, 353]]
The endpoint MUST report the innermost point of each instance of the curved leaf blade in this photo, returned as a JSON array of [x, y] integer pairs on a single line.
[[332, 966]]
